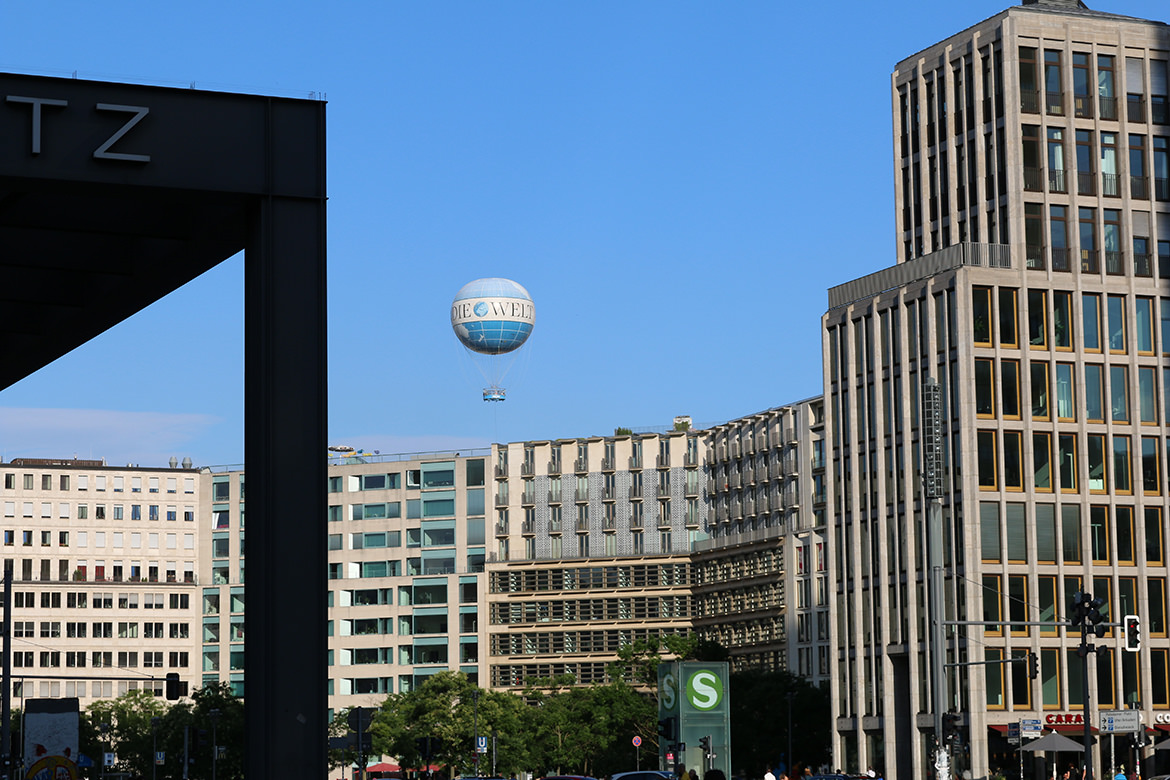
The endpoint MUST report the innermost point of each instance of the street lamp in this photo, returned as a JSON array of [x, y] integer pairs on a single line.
[[154, 748], [213, 714]]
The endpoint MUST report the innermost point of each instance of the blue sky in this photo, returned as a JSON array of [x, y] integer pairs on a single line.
[[676, 183]]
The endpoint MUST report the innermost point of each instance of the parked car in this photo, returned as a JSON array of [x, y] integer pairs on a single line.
[[567, 777], [643, 774]]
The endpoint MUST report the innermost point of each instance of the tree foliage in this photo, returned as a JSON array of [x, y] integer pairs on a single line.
[[137, 724]]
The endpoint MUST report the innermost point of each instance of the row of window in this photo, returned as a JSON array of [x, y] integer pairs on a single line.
[[117, 511], [1106, 322], [1079, 462], [97, 689], [1043, 605], [1119, 535], [48, 659], [579, 545], [1092, 87], [1061, 679], [622, 608], [1096, 153], [1109, 392], [52, 599], [100, 482], [51, 629], [117, 539], [431, 476], [407, 655]]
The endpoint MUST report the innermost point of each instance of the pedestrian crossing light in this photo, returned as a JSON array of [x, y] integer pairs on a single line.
[[1133, 633], [705, 744]]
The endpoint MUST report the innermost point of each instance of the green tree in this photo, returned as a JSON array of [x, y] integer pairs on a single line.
[[131, 731], [137, 724], [585, 730], [453, 709], [638, 661]]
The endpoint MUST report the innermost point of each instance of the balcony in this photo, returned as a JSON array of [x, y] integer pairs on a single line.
[[1034, 257], [1142, 265], [1108, 106], [529, 497], [1056, 180], [636, 523], [1054, 103], [581, 495], [1060, 259], [609, 525], [1158, 110], [501, 529], [636, 461], [554, 496], [1090, 263], [501, 501], [609, 463], [501, 471], [527, 469], [1083, 106], [1111, 185], [1086, 183], [580, 465], [1139, 189], [554, 526], [1135, 108], [528, 528], [691, 459], [662, 462], [582, 525], [1033, 179], [1029, 102], [1114, 263], [635, 491], [1162, 188], [1164, 266]]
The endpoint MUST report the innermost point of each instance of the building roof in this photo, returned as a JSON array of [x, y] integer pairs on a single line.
[[1060, 7]]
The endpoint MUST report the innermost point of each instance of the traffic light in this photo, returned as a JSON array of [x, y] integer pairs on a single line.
[[1096, 619], [173, 689], [1033, 666], [705, 745], [1087, 612], [1133, 633], [950, 724], [668, 729]]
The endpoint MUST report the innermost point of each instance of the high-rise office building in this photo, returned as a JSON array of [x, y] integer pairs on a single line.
[[761, 582], [593, 537], [1033, 218], [105, 591]]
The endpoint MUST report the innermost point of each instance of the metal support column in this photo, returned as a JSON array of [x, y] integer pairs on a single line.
[[285, 449]]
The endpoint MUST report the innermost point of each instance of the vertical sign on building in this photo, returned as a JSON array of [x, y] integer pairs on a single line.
[[697, 694]]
